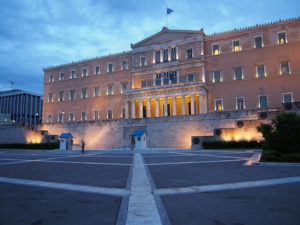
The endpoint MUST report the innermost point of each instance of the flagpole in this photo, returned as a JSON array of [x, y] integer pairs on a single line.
[[166, 20]]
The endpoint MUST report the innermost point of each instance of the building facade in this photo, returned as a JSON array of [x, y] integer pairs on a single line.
[[180, 72], [21, 107]]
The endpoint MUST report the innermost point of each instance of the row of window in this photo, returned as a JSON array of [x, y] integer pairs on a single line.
[[258, 43], [71, 117], [262, 101], [260, 72]]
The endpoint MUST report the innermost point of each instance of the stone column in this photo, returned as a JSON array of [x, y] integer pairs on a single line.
[[177, 55], [205, 104], [149, 108], [177, 73], [133, 109], [126, 109], [203, 74], [154, 80], [174, 105], [156, 108], [201, 104], [165, 106], [183, 105], [161, 80], [161, 55], [141, 108], [192, 105]]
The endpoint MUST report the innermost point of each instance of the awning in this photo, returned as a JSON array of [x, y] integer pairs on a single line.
[[138, 133]]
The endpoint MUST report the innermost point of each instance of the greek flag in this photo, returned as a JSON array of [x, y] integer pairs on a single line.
[[169, 11]]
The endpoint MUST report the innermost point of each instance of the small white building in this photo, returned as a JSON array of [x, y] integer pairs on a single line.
[[66, 141], [140, 138]]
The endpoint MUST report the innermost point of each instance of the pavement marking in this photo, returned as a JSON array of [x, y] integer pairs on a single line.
[[255, 158], [227, 186], [11, 159], [195, 162], [90, 163], [67, 187], [142, 207]]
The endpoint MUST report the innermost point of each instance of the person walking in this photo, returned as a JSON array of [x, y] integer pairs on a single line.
[[71, 144], [132, 142], [82, 146]]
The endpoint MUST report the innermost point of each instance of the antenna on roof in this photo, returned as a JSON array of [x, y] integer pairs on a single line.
[[11, 84]]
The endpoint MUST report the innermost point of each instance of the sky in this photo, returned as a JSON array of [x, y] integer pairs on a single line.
[[35, 34]]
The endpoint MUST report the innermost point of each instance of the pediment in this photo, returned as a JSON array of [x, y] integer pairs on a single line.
[[166, 35]]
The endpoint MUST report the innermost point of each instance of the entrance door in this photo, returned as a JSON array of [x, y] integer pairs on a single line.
[[144, 111]]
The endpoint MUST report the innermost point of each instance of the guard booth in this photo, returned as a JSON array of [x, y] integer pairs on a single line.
[[140, 137], [66, 141]]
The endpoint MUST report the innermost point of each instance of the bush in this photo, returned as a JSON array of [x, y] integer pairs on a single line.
[[275, 156], [231, 144], [283, 134], [31, 146]]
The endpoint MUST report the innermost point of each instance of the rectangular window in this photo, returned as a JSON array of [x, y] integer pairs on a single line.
[[72, 95], [189, 53], [281, 38], [240, 104], [143, 61], [215, 49], [218, 104], [96, 92], [96, 115], [260, 71], [217, 76], [110, 67], [61, 76], [238, 73], [123, 113], [84, 93], [97, 70], [84, 72], [60, 117], [61, 96], [143, 83], [165, 56], [50, 98], [236, 46], [166, 78], [158, 79], [258, 42], [190, 78], [173, 54], [124, 65], [263, 102], [287, 97], [83, 116], [284, 68], [110, 90], [51, 78], [71, 117], [157, 57], [49, 119], [73, 74], [173, 77], [124, 87], [109, 114]]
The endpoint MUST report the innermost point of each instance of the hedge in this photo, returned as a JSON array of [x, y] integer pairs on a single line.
[[30, 146], [231, 144], [275, 156]]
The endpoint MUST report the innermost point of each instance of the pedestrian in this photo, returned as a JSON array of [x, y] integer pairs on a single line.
[[82, 146], [71, 144], [132, 142]]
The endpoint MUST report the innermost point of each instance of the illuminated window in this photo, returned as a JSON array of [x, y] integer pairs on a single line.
[[173, 54], [51, 78], [238, 73], [240, 104], [124, 65], [258, 42], [97, 70], [218, 104], [165, 55], [110, 90], [109, 114], [263, 102], [61, 96], [96, 115], [189, 53], [260, 71], [84, 72], [284, 68], [73, 74], [83, 116], [190, 78], [217, 76], [71, 117], [50, 97], [124, 87], [158, 79], [236, 46], [60, 117], [72, 95], [84, 93], [281, 38], [61, 76], [215, 49], [157, 57], [287, 97], [143, 61], [96, 92]]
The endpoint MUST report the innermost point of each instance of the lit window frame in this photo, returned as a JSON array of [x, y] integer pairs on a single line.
[[187, 77], [71, 119], [287, 93], [236, 103], [214, 79], [212, 48], [262, 41], [70, 95], [289, 67], [95, 70], [51, 78], [278, 40], [265, 71], [86, 74], [112, 114], [86, 93], [61, 76], [242, 72], [50, 97], [222, 107], [98, 93], [145, 62], [96, 115], [188, 54], [112, 90], [71, 74], [234, 49], [126, 64], [108, 67], [259, 105]]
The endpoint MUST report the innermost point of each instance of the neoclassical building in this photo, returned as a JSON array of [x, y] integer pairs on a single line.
[[180, 72]]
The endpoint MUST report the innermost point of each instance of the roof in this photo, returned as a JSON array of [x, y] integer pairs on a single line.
[[17, 92], [139, 133], [66, 135]]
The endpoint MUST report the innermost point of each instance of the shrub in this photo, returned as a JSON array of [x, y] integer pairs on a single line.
[[31, 146], [230, 144], [283, 134]]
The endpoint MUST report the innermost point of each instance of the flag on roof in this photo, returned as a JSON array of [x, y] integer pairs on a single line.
[[169, 11]]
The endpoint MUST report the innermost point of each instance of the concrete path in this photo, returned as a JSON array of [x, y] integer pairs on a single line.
[[142, 207]]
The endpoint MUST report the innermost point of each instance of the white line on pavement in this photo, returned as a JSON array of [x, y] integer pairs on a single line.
[[195, 162], [227, 186], [142, 208], [91, 163], [68, 187]]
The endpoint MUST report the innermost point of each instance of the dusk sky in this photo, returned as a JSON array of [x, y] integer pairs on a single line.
[[35, 34]]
